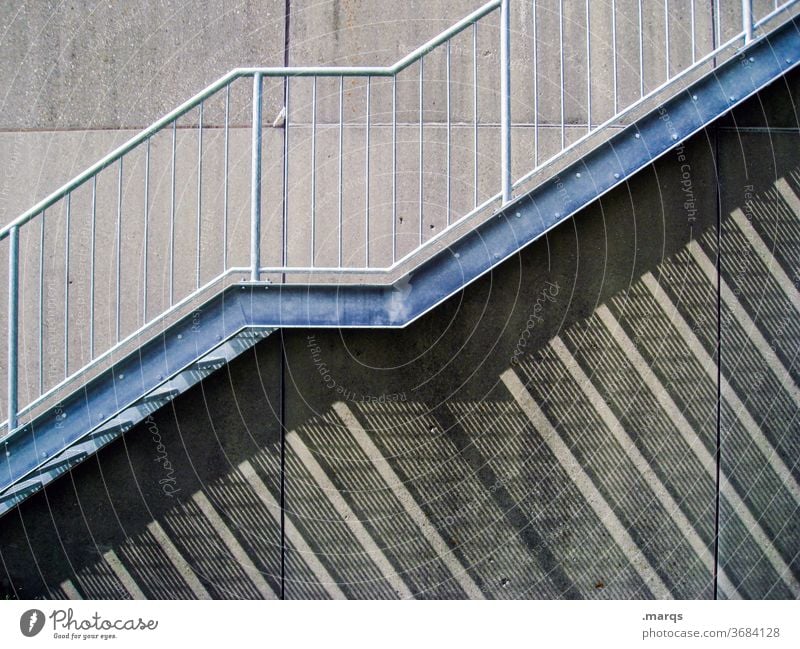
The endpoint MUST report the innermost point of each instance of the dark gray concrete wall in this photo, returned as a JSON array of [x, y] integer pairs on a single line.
[[551, 431]]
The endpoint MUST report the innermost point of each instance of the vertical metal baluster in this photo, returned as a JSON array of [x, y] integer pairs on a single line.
[[421, 145], [41, 304], [717, 24], [394, 168], [13, 316], [199, 194], [313, 168], [92, 265], [225, 182], [535, 86], [666, 35], [475, 115], [561, 68], [255, 182], [505, 100], [67, 219], [447, 51], [341, 151], [614, 52], [171, 278], [366, 177], [747, 20], [118, 281], [694, 31], [146, 227], [641, 51], [588, 70], [285, 257]]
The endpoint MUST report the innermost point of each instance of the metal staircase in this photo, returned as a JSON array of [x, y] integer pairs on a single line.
[[168, 319]]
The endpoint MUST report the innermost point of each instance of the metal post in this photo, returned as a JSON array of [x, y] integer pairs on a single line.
[[614, 51], [394, 169], [67, 218], [561, 83], [92, 262], [146, 233], [641, 51], [285, 246], [118, 276], [225, 180], [747, 20], [313, 170], [41, 302], [341, 177], [255, 184], [172, 215], [199, 224], [366, 176], [13, 301], [447, 74], [475, 114], [421, 144], [505, 101]]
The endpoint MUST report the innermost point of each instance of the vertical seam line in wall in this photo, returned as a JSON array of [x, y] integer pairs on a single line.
[[717, 449], [287, 12], [719, 360]]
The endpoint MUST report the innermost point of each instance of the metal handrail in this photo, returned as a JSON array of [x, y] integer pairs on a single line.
[[746, 34], [222, 82], [255, 269]]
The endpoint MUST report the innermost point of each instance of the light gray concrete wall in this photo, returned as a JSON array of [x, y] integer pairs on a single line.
[[123, 64], [93, 67]]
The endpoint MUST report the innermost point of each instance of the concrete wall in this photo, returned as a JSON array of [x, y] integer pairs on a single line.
[[446, 486], [76, 76], [413, 463]]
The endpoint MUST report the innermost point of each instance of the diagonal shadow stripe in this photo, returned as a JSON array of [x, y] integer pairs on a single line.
[[527, 532]]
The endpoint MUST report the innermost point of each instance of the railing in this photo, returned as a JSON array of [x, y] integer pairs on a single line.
[[209, 194]]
